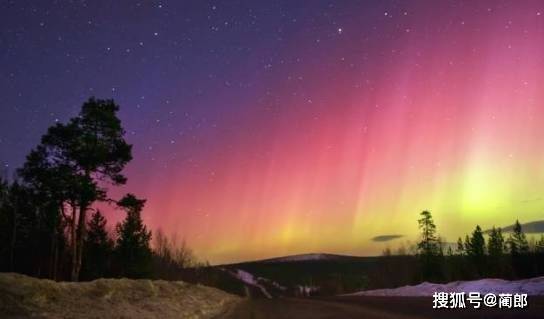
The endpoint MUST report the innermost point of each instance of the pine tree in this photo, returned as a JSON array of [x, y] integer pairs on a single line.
[[518, 242], [429, 248], [476, 253], [458, 262], [98, 248], [26, 242], [495, 249], [519, 250], [5, 226], [54, 187], [467, 244], [429, 241], [132, 248], [79, 157], [539, 247], [460, 247]]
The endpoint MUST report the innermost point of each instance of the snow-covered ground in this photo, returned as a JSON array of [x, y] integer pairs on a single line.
[[249, 279], [26, 297], [532, 286]]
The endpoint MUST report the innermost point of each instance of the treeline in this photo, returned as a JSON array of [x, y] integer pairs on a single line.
[[49, 226], [500, 256]]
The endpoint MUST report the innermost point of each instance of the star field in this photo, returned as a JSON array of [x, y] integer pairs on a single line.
[[274, 127]]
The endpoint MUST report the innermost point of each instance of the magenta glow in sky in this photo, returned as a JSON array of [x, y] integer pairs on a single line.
[[264, 129]]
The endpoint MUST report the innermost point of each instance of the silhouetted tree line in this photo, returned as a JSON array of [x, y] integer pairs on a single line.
[[45, 227], [510, 257]]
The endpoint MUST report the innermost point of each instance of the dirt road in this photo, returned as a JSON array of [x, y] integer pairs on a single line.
[[369, 308]]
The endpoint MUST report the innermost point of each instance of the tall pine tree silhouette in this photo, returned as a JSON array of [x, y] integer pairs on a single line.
[[132, 250], [519, 250], [76, 160], [429, 248], [495, 249], [98, 248], [476, 251]]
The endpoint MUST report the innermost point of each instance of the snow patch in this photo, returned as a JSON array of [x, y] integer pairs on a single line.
[[26, 297], [249, 279], [272, 283], [532, 286], [305, 291]]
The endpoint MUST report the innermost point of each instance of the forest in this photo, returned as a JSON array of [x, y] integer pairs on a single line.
[[508, 256], [481, 254], [50, 226]]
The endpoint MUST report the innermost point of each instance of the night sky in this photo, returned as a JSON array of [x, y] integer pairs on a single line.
[[264, 128]]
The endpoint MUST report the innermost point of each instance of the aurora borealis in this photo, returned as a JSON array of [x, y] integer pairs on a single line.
[[269, 128]]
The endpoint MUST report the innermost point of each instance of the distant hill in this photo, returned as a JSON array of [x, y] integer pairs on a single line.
[[308, 257], [321, 274], [534, 227]]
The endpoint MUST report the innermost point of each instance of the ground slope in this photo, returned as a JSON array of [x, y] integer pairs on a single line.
[[24, 297]]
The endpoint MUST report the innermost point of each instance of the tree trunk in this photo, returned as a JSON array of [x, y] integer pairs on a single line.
[[55, 244], [55, 259], [13, 240], [73, 242], [80, 236], [53, 255]]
